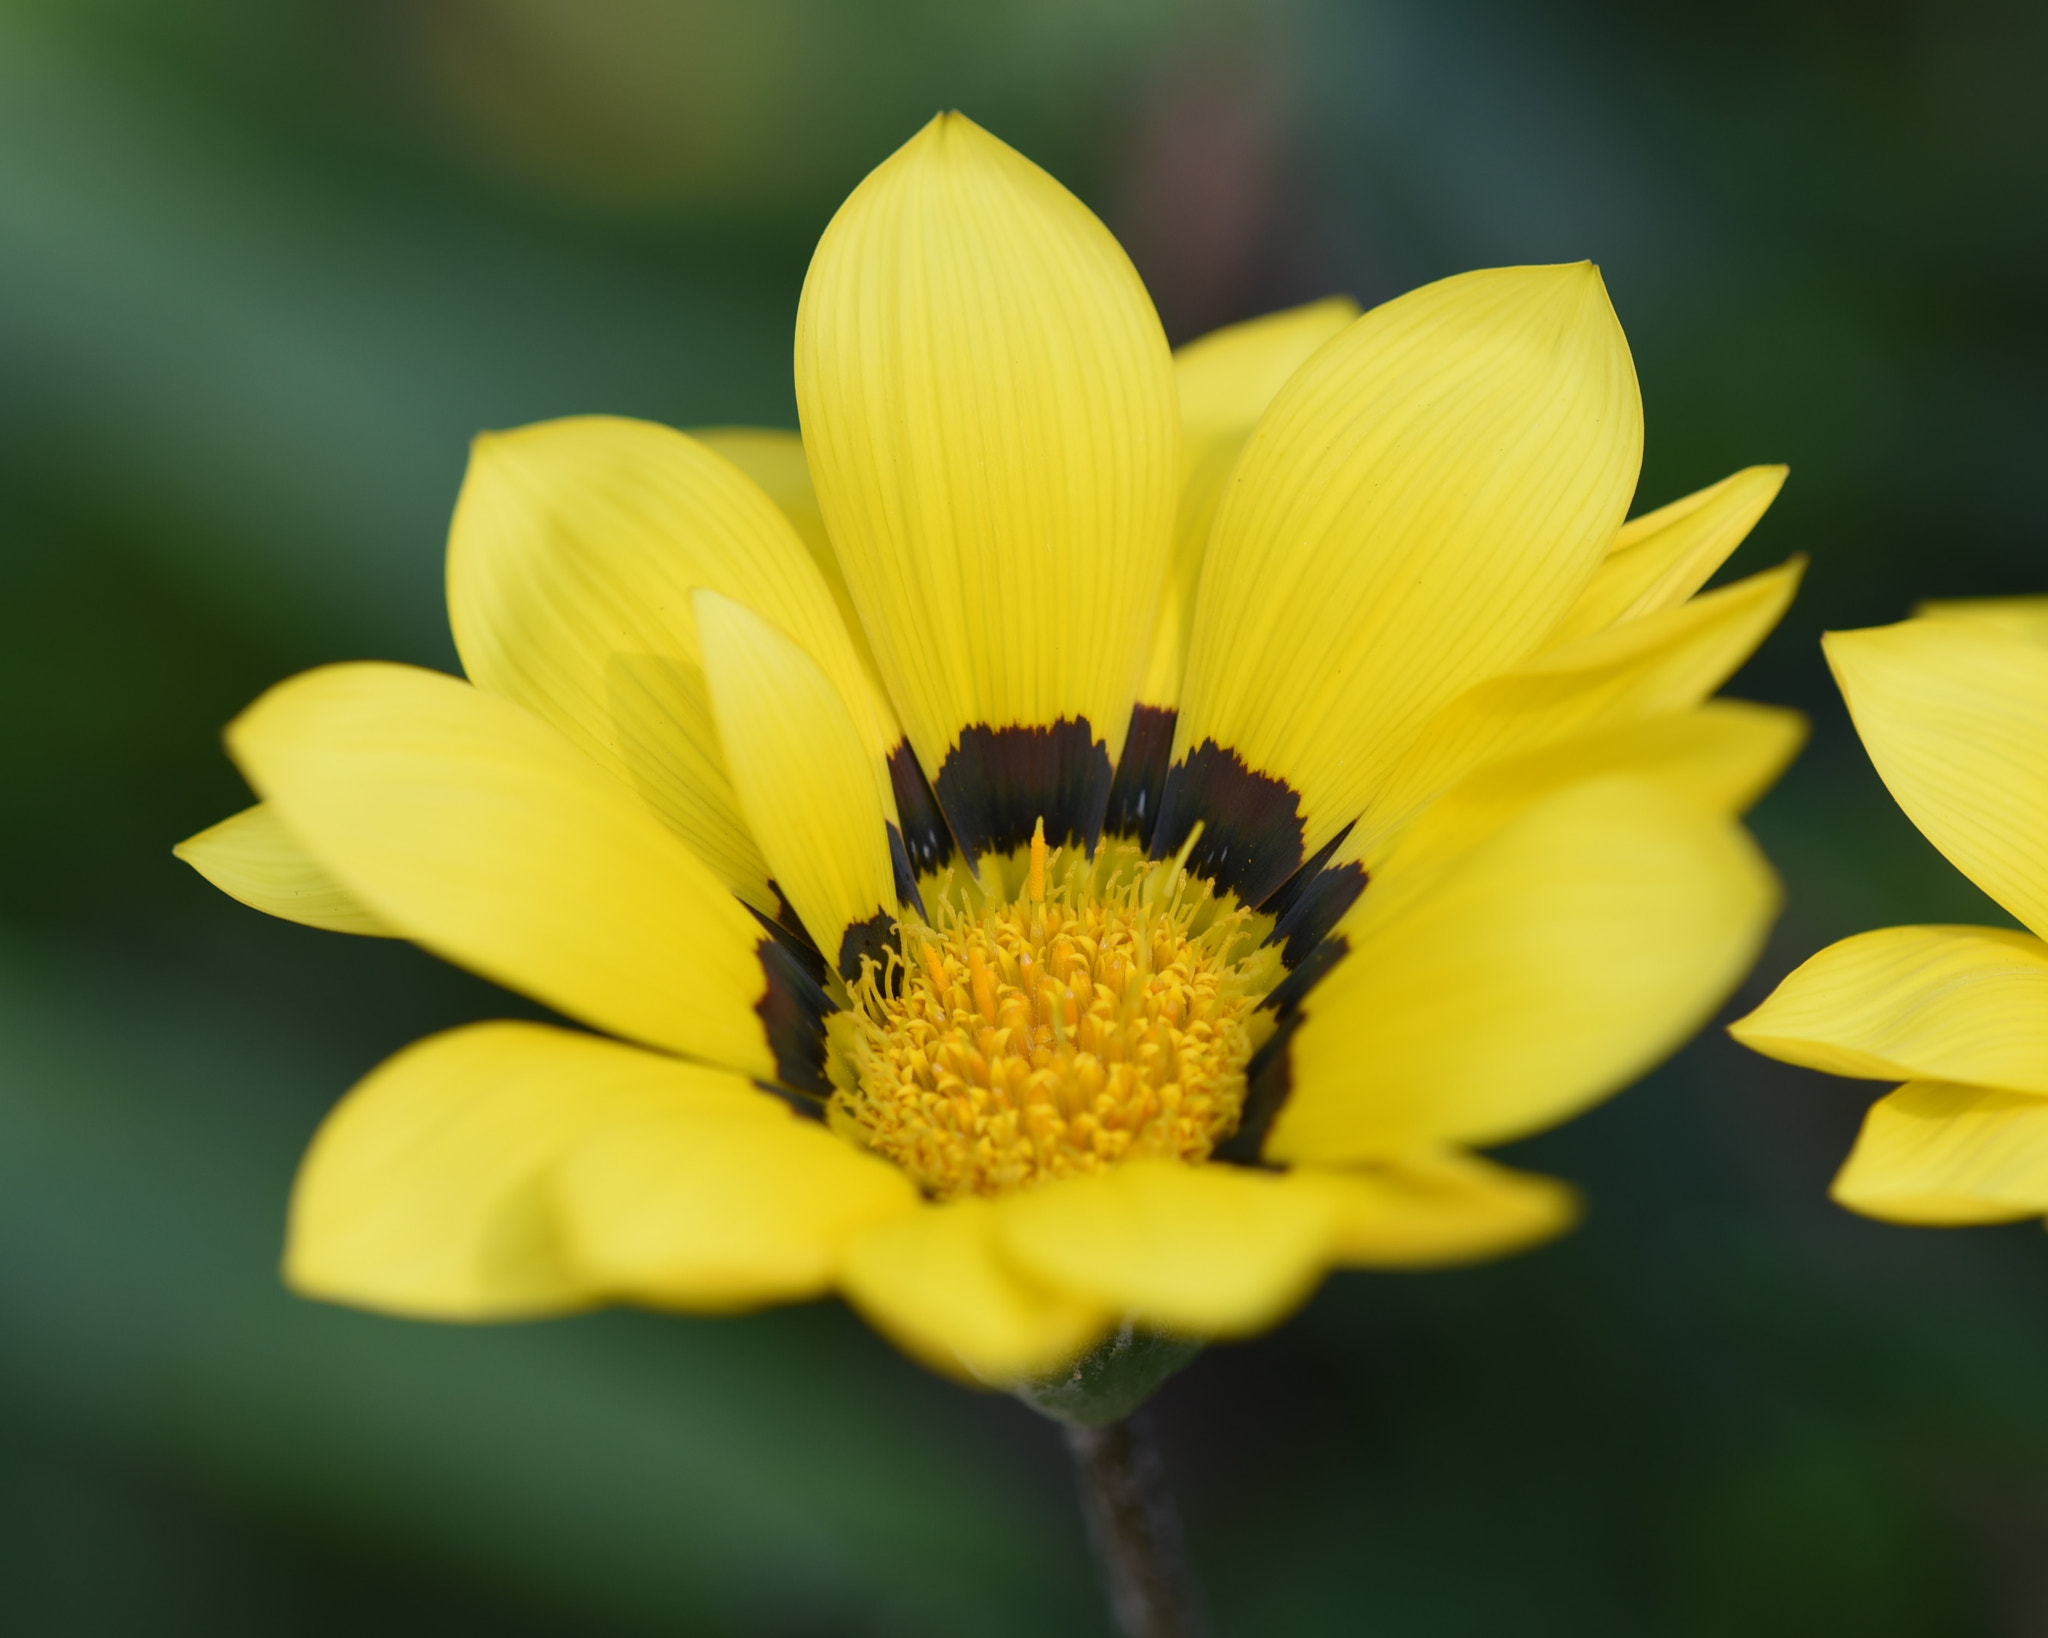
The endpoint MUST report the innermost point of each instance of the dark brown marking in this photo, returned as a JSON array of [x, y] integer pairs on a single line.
[[997, 783], [1286, 996], [906, 877], [1141, 773], [1269, 1077], [1283, 897], [793, 1011], [1317, 908], [802, 1102], [795, 940], [926, 841], [874, 939], [1251, 823]]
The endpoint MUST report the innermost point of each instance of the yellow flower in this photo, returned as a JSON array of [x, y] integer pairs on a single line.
[[995, 776], [1953, 708]]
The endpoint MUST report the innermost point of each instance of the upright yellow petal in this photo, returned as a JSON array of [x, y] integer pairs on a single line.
[[815, 795], [988, 407], [714, 1209], [427, 1190], [1418, 508], [573, 553], [1632, 672], [477, 830], [1934, 1003], [936, 1282], [1226, 380], [251, 856], [1537, 974], [1663, 557], [1940, 1154], [1954, 714], [1195, 1250]]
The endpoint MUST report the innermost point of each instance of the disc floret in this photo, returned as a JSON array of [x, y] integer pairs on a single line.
[[1105, 1011]]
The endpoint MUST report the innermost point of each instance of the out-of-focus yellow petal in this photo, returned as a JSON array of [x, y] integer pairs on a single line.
[[477, 830], [426, 1191], [774, 459], [1649, 667], [1225, 380], [718, 1208], [573, 553], [2025, 617], [988, 406], [1954, 714], [1663, 557], [251, 856], [1193, 1250], [936, 1282], [1720, 756], [815, 796], [1435, 1210], [1940, 1154], [1937, 1003], [1416, 511], [1537, 974]]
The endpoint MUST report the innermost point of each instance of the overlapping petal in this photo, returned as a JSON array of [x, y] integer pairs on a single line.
[[816, 796], [250, 856], [1531, 977], [938, 1282], [474, 828], [1953, 714], [1663, 557], [1418, 508], [428, 1189], [1941, 1154], [1198, 1250], [1963, 1004], [571, 559], [1439, 1208]]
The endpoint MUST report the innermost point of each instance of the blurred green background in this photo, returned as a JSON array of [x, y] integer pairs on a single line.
[[265, 265]]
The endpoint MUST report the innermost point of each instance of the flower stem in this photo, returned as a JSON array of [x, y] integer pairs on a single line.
[[1136, 1530]]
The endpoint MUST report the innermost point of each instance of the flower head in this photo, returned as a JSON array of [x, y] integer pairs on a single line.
[[1953, 708], [1087, 836]]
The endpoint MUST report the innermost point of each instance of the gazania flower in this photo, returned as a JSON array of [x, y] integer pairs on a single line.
[[1953, 709], [1089, 837]]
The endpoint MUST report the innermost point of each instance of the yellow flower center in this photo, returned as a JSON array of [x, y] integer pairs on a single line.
[[1103, 1012]]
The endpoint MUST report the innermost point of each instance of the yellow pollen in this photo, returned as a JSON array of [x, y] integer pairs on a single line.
[[1103, 1013]]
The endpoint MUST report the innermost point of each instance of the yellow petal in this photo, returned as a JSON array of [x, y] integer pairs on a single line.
[[426, 1190], [988, 407], [1418, 508], [1537, 974], [251, 856], [2021, 616], [1937, 1003], [1645, 668], [1199, 1251], [1435, 1210], [935, 1282], [477, 830], [1954, 714], [570, 564], [814, 794], [1663, 557], [717, 1208], [775, 460], [1225, 381], [1941, 1154], [1720, 756]]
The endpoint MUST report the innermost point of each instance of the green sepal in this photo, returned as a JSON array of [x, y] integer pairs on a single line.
[[1111, 1380]]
